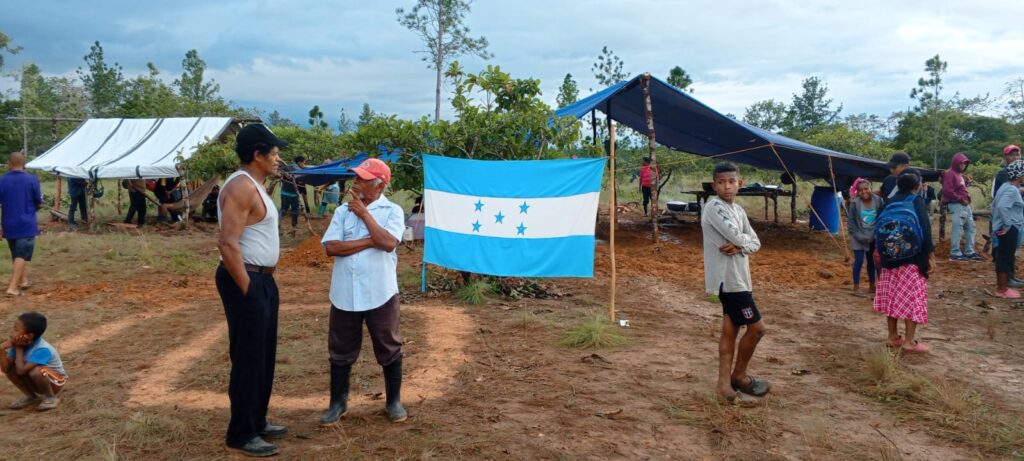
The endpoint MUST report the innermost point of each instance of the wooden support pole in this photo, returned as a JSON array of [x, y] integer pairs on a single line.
[[611, 149], [56, 194], [611, 223], [645, 82]]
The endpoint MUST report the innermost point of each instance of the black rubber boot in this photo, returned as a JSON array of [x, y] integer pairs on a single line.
[[339, 394], [393, 389]]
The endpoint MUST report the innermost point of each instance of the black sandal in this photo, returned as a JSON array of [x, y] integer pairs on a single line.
[[756, 387]]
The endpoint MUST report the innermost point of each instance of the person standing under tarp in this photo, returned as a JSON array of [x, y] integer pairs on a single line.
[[167, 191], [647, 175], [76, 190], [136, 200]]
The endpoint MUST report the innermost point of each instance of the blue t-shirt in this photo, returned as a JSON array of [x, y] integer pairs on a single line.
[[19, 197], [42, 353]]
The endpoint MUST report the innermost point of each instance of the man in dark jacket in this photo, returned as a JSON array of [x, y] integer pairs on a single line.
[[957, 200]]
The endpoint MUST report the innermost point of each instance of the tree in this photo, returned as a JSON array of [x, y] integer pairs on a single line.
[[928, 89], [104, 83], [678, 78], [568, 92], [366, 116], [275, 119], [316, 118], [345, 123], [439, 24], [811, 109], [6, 47], [608, 68], [149, 96], [769, 115], [1014, 94], [930, 104]]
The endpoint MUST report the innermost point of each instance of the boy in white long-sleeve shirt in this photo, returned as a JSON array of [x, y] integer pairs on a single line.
[[728, 241]]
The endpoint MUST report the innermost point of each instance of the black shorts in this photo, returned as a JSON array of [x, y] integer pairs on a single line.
[[22, 248], [740, 308]]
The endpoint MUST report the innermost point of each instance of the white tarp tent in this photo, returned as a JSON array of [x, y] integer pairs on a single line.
[[129, 148]]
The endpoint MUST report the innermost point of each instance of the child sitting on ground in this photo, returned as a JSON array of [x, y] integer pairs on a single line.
[[32, 364], [728, 240], [864, 207], [903, 236], [1008, 226]]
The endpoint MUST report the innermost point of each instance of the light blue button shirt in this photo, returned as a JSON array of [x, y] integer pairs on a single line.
[[368, 279]]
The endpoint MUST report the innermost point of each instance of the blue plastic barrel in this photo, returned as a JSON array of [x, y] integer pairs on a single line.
[[825, 202]]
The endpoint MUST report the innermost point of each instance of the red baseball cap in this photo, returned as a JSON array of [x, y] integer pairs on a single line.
[[1011, 148], [373, 169]]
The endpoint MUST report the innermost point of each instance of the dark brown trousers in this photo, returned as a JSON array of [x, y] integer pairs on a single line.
[[345, 335]]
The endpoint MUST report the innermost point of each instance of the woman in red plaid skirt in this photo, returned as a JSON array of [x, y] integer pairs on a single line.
[[902, 291]]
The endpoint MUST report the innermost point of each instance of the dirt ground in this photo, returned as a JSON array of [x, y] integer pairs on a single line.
[[144, 340]]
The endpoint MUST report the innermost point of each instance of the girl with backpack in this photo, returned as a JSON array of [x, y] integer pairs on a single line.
[[1008, 226], [864, 208], [903, 237]]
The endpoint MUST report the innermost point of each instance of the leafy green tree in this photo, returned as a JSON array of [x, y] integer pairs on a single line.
[[928, 89], [1014, 94], [104, 83], [678, 78], [366, 116], [934, 133], [811, 108], [345, 123], [6, 47], [148, 96], [608, 68], [568, 92], [768, 114], [842, 138], [440, 25], [275, 119], [316, 118], [191, 85]]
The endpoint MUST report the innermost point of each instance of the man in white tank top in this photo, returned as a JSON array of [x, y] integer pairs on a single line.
[[249, 247]]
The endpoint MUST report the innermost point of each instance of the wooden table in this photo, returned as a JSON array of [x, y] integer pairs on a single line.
[[773, 194]]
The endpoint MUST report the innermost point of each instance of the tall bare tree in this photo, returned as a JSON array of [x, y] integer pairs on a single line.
[[439, 23]]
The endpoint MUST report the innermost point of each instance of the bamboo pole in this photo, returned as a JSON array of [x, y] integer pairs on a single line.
[[645, 82], [611, 224]]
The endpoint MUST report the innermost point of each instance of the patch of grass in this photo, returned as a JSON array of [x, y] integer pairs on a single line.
[[950, 408], [703, 410], [596, 333], [712, 299], [475, 293], [192, 264]]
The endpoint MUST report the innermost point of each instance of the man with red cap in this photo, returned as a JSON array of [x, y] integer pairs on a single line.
[[362, 237]]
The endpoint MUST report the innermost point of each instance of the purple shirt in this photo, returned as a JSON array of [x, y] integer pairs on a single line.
[[19, 198]]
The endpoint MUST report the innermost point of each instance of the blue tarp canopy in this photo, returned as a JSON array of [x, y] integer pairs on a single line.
[[338, 170], [683, 123]]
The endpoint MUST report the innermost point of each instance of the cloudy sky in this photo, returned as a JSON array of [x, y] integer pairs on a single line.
[[289, 55]]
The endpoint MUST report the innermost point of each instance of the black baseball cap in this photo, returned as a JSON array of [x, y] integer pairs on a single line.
[[897, 159], [258, 133]]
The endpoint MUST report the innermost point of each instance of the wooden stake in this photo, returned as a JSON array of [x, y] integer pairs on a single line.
[[611, 224], [56, 194], [645, 82]]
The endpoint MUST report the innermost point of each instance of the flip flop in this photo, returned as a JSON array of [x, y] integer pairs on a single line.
[[756, 387], [917, 348], [894, 344], [14, 295]]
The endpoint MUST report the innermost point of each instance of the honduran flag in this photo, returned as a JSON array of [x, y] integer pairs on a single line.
[[530, 218]]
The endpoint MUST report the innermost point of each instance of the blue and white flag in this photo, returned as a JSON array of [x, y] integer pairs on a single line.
[[531, 218]]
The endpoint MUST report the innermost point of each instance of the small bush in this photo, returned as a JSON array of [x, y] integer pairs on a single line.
[[596, 333], [475, 293]]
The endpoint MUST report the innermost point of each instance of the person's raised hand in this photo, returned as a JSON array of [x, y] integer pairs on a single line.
[[355, 205]]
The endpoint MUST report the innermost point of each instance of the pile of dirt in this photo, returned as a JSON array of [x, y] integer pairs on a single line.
[[309, 253]]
